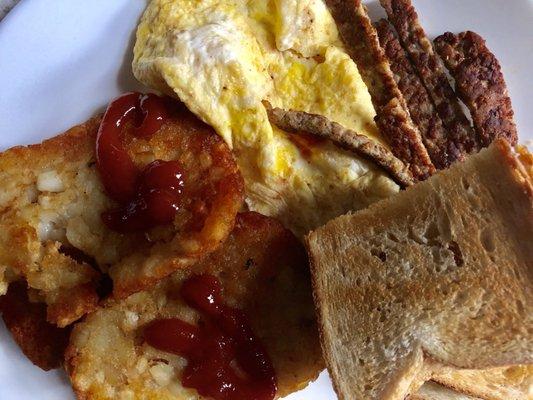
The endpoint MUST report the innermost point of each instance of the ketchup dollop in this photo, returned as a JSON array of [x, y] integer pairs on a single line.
[[147, 197], [226, 361]]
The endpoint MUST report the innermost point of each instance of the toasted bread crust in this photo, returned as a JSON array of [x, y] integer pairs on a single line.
[[428, 256], [420, 105], [403, 16], [299, 121], [393, 119], [480, 84], [434, 391], [505, 383]]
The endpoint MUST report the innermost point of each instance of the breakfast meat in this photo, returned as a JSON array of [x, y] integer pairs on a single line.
[[420, 105], [403, 16], [439, 275], [299, 121], [480, 84], [51, 207], [393, 119], [43, 343], [263, 271]]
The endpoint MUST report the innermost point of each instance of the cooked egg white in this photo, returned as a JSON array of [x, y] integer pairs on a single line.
[[223, 58]]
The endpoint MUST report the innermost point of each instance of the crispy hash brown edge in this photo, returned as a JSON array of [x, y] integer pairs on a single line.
[[41, 342], [219, 179], [70, 146], [261, 252]]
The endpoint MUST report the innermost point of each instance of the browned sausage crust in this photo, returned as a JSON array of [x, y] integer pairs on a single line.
[[480, 84], [318, 125], [393, 119], [421, 108], [403, 16]]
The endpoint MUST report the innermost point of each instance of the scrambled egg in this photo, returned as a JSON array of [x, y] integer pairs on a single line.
[[223, 57]]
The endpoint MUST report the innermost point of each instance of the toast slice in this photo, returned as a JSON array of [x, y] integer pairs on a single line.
[[439, 275], [263, 270], [515, 382], [51, 201], [434, 391]]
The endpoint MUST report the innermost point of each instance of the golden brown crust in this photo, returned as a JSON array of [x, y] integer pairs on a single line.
[[51, 197], [480, 84], [434, 391], [214, 194], [21, 250], [43, 343], [393, 119], [262, 269], [403, 16], [299, 121], [71, 304], [505, 383], [420, 106]]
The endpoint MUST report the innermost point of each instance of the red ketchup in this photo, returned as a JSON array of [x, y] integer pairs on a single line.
[[226, 361], [306, 143], [147, 197]]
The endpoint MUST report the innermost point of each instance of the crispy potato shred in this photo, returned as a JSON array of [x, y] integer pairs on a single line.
[[51, 201], [63, 269], [263, 270], [75, 292], [214, 193]]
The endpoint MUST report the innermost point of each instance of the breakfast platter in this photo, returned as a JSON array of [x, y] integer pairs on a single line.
[[245, 175]]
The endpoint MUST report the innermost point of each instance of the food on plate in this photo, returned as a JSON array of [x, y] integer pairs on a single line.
[[185, 191], [434, 391], [515, 382], [502, 383], [49, 194], [421, 108], [52, 233], [156, 250], [263, 271], [393, 116], [300, 122], [43, 343], [480, 84], [438, 276], [430, 68], [223, 58]]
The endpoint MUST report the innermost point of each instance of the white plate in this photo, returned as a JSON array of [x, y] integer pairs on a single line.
[[61, 61]]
